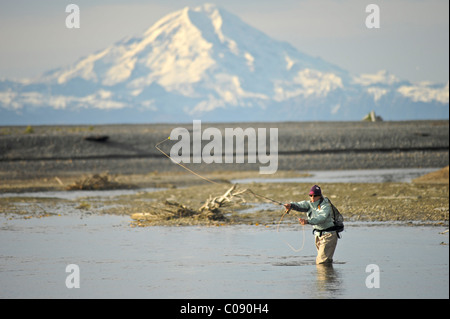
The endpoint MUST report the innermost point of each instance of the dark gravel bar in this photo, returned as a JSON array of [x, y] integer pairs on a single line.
[[130, 149]]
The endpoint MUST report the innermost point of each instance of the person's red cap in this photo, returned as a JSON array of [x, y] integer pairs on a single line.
[[315, 190]]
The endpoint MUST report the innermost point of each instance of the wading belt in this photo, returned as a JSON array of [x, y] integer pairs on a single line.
[[330, 229]]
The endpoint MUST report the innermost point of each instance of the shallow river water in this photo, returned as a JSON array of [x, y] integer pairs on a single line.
[[399, 175], [115, 260], [377, 260]]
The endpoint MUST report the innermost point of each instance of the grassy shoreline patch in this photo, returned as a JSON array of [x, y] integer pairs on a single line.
[[400, 202]]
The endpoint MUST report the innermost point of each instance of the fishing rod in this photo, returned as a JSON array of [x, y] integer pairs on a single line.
[[264, 197], [207, 179], [248, 190], [179, 164]]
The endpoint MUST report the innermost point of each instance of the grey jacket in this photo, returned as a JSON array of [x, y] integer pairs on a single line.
[[320, 216]]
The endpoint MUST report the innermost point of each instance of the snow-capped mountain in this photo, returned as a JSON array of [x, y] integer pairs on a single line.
[[206, 63]]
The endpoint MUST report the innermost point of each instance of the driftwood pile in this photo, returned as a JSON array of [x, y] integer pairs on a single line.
[[211, 210], [213, 204], [95, 182]]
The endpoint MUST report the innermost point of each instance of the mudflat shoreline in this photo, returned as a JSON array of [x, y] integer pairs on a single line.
[[49, 158], [176, 200]]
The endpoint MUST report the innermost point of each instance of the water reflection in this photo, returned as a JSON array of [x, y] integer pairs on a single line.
[[328, 282]]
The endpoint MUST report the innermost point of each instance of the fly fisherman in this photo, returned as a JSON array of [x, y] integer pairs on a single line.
[[319, 212]]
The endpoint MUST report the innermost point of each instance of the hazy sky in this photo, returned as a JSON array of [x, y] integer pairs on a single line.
[[411, 43]]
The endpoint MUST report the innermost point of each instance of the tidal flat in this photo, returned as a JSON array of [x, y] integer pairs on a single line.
[[417, 201]]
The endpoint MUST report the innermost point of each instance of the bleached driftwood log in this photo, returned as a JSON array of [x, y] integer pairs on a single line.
[[210, 210], [213, 204]]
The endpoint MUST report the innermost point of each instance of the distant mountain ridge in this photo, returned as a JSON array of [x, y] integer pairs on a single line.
[[206, 63]]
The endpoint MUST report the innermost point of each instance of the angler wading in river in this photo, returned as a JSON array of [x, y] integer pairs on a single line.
[[321, 215]]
